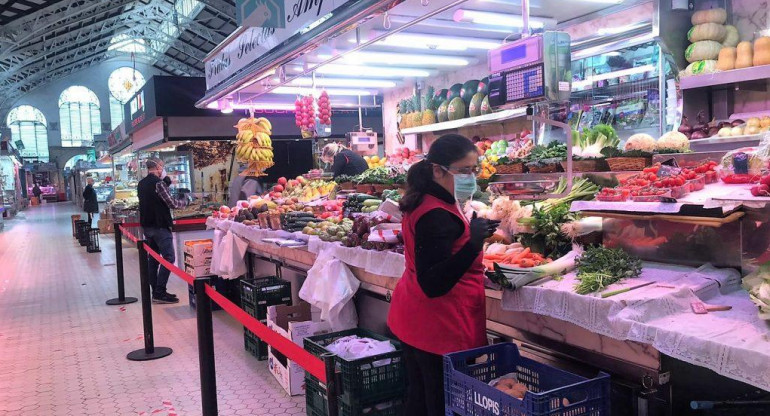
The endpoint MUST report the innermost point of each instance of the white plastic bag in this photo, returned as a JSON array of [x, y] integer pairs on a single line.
[[234, 257], [385, 233], [216, 253], [330, 286]]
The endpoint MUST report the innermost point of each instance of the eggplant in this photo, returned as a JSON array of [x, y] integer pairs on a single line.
[[685, 127], [698, 134], [737, 122]]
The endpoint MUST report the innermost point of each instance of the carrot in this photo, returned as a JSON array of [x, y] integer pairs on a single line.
[[527, 263], [523, 254]]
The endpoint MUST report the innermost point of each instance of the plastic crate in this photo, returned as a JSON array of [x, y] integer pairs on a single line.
[[264, 292], [317, 405], [467, 392], [366, 380], [254, 345], [82, 232], [93, 241]]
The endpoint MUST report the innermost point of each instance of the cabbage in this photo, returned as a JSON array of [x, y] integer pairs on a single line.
[[642, 142], [673, 140]]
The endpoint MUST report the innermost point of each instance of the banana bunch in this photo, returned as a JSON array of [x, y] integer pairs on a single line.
[[253, 140]]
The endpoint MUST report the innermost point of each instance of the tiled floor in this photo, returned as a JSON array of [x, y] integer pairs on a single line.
[[63, 351]]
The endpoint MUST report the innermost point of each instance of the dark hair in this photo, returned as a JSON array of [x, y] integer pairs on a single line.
[[448, 149]]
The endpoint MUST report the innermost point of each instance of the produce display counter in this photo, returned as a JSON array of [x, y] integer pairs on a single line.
[[627, 334]]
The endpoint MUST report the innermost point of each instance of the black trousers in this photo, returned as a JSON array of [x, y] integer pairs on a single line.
[[425, 382], [90, 218]]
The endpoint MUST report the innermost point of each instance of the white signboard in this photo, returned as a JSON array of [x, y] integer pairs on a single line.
[[256, 41]]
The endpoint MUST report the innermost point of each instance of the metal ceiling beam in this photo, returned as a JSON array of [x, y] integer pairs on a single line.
[[221, 7]]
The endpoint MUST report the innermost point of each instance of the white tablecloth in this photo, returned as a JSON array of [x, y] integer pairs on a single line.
[[733, 343]]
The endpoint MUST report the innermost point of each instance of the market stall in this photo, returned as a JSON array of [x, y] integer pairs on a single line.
[[585, 119], [11, 187]]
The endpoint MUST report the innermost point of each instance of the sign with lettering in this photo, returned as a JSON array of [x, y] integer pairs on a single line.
[[254, 42], [260, 13]]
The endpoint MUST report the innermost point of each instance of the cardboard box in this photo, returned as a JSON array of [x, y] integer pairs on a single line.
[[292, 322], [198, 271], [199, 248], [193, 261]]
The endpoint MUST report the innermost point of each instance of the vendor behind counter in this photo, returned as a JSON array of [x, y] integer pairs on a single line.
[[242, 187], [343, 160]]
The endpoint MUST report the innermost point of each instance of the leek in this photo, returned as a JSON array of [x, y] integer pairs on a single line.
[[516, 277]]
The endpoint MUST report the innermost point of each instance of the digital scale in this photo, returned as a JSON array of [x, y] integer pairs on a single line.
[[363, 142], [531, 70]]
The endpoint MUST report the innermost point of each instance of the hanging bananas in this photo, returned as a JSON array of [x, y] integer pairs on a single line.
[[253, 140]]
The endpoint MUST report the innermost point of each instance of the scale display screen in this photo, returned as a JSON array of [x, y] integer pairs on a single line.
[[363, 139], [513, 54]]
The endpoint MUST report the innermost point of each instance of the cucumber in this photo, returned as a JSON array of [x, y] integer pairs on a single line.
[[372, 203]]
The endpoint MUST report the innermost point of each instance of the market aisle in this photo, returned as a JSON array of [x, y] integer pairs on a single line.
[[62, 350]]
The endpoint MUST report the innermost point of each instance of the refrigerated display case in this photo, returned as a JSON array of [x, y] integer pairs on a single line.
[[179, 167]]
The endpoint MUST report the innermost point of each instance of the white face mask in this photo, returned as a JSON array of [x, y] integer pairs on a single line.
[[163, 173]]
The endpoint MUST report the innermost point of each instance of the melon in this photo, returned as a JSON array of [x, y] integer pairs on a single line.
[[454, 92], [470, 88], [484, 86], [485, 108], [474, 109], [442, 111], [456, 109]]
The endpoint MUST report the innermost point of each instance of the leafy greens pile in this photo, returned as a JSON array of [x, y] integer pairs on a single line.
[[590, 143], [599, 267]]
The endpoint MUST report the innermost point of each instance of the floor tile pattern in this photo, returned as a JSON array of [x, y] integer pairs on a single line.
[[62, 350]]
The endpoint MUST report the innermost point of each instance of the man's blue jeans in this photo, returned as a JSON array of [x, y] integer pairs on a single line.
[[161, 241]]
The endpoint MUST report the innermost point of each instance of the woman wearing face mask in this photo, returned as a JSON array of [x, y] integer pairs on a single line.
[[438, 306], [343, 160]]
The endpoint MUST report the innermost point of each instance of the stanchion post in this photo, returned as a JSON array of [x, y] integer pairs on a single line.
[[206, 348], [121, 299], [331, 384], [150, 351]]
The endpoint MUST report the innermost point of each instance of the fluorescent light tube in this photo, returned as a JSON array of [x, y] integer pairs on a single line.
[[343, 82], [399, 59], [336, 91], [435, 42], [614, 74], [371, 71], [495, 19]]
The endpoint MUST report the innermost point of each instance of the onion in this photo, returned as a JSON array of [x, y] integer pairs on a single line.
[[698, 134], [688, 134], [685, 126], [702, 125], [713, 131], [737, 122], [724, 124]]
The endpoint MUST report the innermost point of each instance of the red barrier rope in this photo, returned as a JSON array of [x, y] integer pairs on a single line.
[[287, 347], [176, 270], [128, 234], [190, 221], [131, 224]]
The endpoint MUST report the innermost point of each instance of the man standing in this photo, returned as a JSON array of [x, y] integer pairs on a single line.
[[155, 205], [90, 204]]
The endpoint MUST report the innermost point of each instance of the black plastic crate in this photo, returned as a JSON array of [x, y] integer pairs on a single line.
[[265, 291], [366, 380], [191, 292], [551, 391], [82, 232], [93, 241], [317, 405], [254, 345]]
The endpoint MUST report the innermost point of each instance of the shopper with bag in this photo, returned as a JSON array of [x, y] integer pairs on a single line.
[[90, 204], [155, 205], [438, 306]]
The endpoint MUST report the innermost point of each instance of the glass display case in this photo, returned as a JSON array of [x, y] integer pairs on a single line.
[[622, 88], [179, 167]]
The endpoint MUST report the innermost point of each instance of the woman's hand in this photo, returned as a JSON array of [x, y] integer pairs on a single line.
[[482, 228]]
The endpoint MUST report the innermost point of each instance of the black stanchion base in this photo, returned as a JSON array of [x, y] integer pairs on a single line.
[[125, 301], [140, 355]]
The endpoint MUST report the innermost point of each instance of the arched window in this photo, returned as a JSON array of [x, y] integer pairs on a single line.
[[123, 83], [28, 124], [79, 116]]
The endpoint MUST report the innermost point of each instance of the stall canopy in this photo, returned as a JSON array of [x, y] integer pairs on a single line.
[[358, 50]]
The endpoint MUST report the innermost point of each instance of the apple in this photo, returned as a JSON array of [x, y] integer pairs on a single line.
[[278, 188], [243, 204], [224, 209], [215, 214], [282, 181], [765, 180]]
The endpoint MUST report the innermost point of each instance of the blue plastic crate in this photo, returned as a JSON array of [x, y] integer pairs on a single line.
[[467, 392]]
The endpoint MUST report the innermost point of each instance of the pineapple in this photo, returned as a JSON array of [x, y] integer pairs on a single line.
[[428, 107], [406, 116], [416, 114]]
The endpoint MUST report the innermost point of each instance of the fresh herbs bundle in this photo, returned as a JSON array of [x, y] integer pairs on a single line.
[[599, 267], [548, 237]]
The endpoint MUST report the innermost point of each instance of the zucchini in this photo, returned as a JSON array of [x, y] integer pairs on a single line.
[[372, 203]]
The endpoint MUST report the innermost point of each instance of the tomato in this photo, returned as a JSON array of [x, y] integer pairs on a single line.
[[653, 177]]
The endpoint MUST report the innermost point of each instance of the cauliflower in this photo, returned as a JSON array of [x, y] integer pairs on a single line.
[[673, 140], [642, 142]]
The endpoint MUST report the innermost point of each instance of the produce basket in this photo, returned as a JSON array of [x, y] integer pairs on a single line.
[[619, 164], [365, 380], [379, 188], [364, 188], [316, 404], [544, 168], [551, 391], [509, 169], [587, 165], [347, 186]]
